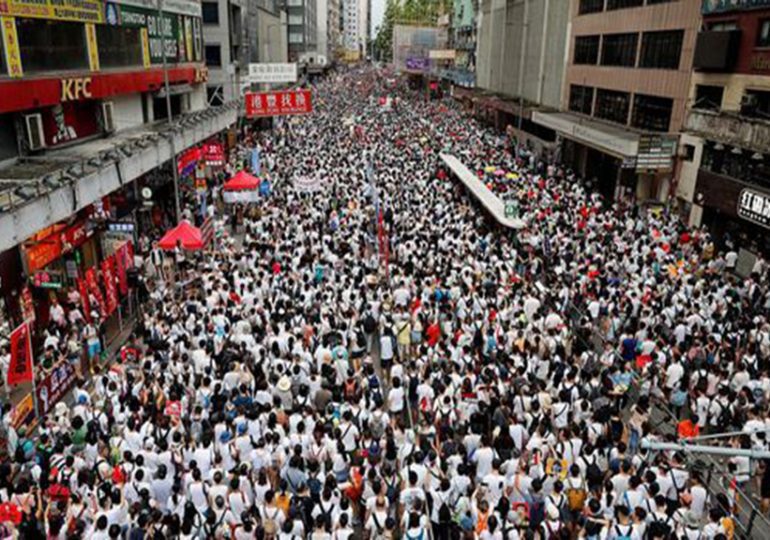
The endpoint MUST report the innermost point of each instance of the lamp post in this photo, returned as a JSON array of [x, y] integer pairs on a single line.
[[174, 172]]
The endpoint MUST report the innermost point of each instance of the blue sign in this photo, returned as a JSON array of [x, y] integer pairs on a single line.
[[255, 163]]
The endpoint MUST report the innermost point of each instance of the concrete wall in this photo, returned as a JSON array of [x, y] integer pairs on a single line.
[[127, 111], [540, 26], [219, 34]]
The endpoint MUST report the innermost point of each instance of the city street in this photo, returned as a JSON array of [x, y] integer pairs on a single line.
[[421, 329]]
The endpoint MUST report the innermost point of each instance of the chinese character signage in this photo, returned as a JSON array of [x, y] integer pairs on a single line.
[[273, 73], [11, 46], [176, 33], [110, 289], [88, 11], [20, 367], [754, 206], [54, 386], [278, 103], [214, 154]]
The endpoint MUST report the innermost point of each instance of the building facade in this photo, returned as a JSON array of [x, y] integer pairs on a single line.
[[86, 94], [354, 30], [225, 47], [302, 20], [625, 91], [725, 173], [334, 29]]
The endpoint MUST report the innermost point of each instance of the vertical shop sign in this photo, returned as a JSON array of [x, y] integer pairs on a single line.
[[120, 260], [20, 367], [93, 288], [93, 48], [11, 46], [145, 48]]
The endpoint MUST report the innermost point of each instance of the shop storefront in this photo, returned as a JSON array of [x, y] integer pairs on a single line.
[[618, 163], [734, 211]]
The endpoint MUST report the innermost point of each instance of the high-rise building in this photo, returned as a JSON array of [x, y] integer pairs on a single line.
[[520, 58], [724, 176], [224, 44], [322, 27], [354, 30], [625, 93], [302, 27], [334, 28]]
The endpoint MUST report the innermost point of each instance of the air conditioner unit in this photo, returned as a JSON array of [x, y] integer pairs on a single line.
[[108, 117], [35, 134]]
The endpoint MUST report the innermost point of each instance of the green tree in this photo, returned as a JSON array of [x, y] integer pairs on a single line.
[[383, 43]]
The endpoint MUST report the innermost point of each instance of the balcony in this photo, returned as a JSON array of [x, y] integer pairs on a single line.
[[717, 50], [730, 128]]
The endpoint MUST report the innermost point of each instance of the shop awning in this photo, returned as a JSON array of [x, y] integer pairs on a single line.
[[186, 233], [620, 142], [482, 193], [242, 181]]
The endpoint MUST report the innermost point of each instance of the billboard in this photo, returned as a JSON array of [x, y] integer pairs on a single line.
[[291, 102], [273, 73], [412, 46]]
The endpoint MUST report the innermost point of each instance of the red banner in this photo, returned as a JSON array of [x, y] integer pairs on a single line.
[[83, 290], [278, 103], [110, 290], [20, 367], [93, 288], [120, 263]]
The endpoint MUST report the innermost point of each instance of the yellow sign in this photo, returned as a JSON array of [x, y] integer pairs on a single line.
[[76, 88], [145, 47], [23, 412], [60, 10], [11, 42], [188, 38], [93, 48]]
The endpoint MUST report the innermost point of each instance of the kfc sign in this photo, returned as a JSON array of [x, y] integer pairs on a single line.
[[260, 104], [74, 89]]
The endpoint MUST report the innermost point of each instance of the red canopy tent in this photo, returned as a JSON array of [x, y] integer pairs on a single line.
[[189, 235], [242, 181]]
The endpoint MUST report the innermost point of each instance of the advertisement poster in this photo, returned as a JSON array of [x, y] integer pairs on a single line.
[[187, 160], [69, 122], [93, 288], [110, 290], [23, 414], [27, 306], [20, 367], [291, 102], [53, 387], [89, 11]]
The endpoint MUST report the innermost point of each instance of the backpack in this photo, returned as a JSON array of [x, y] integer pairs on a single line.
[[418, 537], [594, 474], [659, 528], [576, 498], [536, 512], [380, 530], [370, 325], [620, 535], [444, 512], [269, 525]]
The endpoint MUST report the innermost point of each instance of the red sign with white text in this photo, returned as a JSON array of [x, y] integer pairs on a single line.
[[260, 104]]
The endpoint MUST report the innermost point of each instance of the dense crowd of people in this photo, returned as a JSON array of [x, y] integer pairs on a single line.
[[377, 358]]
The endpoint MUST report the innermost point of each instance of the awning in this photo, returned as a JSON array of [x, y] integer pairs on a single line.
[[488, 200], [621, 143], [242, 181]]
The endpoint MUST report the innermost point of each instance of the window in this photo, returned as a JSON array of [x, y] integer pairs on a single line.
[[621, 4], [119, 46], [48, 45], [295, 37], [652, 112], [612, 105], [708, 97], [581, 98], [756, 103], [723, 26], [586, 49], [688, 152], [210, 12], [763, 36], [213, 55], [296, 19], [619, 50], [590, 6], [661, 49], [651, 2]]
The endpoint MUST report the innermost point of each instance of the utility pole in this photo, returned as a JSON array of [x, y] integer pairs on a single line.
[[174, 172]]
